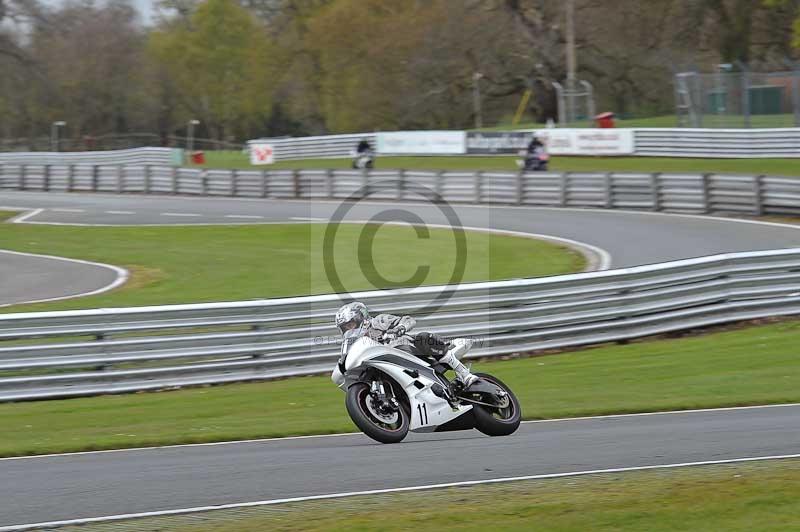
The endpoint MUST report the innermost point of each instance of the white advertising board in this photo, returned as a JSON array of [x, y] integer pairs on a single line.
[[587, 141], [261, 153], [422, 142]]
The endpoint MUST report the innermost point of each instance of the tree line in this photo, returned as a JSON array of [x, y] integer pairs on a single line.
[[250, 68]]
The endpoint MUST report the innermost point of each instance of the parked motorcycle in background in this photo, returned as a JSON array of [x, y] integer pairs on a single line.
[[390, 392]]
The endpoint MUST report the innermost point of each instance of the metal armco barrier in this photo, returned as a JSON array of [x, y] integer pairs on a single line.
[[91, 352], [670, 192], [162, 156]]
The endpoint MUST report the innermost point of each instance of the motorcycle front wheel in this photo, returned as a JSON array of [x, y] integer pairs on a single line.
[[365, 413], [502, 420]]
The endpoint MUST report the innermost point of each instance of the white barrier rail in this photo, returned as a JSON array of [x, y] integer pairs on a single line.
[[51, 354], [670, 192], [643, 142], [154, 156]]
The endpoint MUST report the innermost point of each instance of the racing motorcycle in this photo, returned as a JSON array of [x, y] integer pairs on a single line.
[[533, 162], [391, 392], [363, 160]]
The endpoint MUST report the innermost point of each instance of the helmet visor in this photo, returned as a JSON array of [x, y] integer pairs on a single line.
[[349, 325]]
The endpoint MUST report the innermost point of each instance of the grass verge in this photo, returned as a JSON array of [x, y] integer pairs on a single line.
[[754, 365], [233, 159], [736, 497], [191, 264]]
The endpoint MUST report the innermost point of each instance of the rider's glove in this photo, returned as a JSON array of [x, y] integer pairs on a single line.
[[399, 331]]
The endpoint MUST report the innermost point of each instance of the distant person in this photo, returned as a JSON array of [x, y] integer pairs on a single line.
[[363, 146]]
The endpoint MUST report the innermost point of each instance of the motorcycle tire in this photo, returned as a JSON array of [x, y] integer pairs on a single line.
[[485, 419], [355, 402]]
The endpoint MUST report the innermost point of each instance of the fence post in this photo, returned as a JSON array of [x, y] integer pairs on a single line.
[[328, 183], [655, 191], [2, 176], [401, 184], [520, 186], [70, 177], [147, 179], [204, 182], [264, 183], [478, 177], [296, 182], [608, 191], [46, 183], [174, 180], [364, 183], [758, 195], [706, 190], [439, 184], [563, 190], [234, 177], [796, 96], [120, 178], [746, 95], [22, 177], [95, 177]]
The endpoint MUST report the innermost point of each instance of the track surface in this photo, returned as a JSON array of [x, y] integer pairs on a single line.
[[66, 487], [631, 238], [99, 484], [25, 278]]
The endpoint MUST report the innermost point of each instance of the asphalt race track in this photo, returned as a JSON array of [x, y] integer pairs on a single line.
[[632, 238], [26, 278], [99, 484]]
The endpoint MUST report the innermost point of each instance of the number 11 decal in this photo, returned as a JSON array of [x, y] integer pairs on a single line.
[[423, 411]]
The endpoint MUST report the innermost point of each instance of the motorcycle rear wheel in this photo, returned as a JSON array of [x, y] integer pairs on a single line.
[[498, 421], [370, 424]]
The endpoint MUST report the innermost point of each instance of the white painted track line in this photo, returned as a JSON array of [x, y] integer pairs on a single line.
[[178, 511]]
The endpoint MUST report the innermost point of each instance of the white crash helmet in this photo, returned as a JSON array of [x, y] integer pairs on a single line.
[[351, 316]]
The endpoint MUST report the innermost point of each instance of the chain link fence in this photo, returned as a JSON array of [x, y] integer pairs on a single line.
[[113, 142], [738, 98]]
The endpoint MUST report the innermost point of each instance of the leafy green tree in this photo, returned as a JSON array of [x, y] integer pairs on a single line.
[[220, 65]]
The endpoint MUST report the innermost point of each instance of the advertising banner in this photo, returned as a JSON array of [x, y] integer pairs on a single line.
[[587, 141], [261, 153], [422, 142], [491, 143], [558, 141]]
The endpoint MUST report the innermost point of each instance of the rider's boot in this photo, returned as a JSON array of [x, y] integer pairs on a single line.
[[463, 375]]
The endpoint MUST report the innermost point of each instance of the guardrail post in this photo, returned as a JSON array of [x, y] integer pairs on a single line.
[[120, 178], [706, 191], [174, 180], [563, 190], [70, 177], [520, 187], [2, 175], [147, 179], [478, 176], [758, 195], [46, 183], [655, 191], [329, 183], [439, 184], [608, 190], [401, 184], [22, 177], [204, 182], [296, 183], [234, 177], [364, 183], [264, 183], [95, 178]]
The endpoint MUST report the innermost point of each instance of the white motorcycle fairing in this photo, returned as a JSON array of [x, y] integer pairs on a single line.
[[429, 411]]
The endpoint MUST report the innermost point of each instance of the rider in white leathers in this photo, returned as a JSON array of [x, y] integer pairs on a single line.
[[387, 327]]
